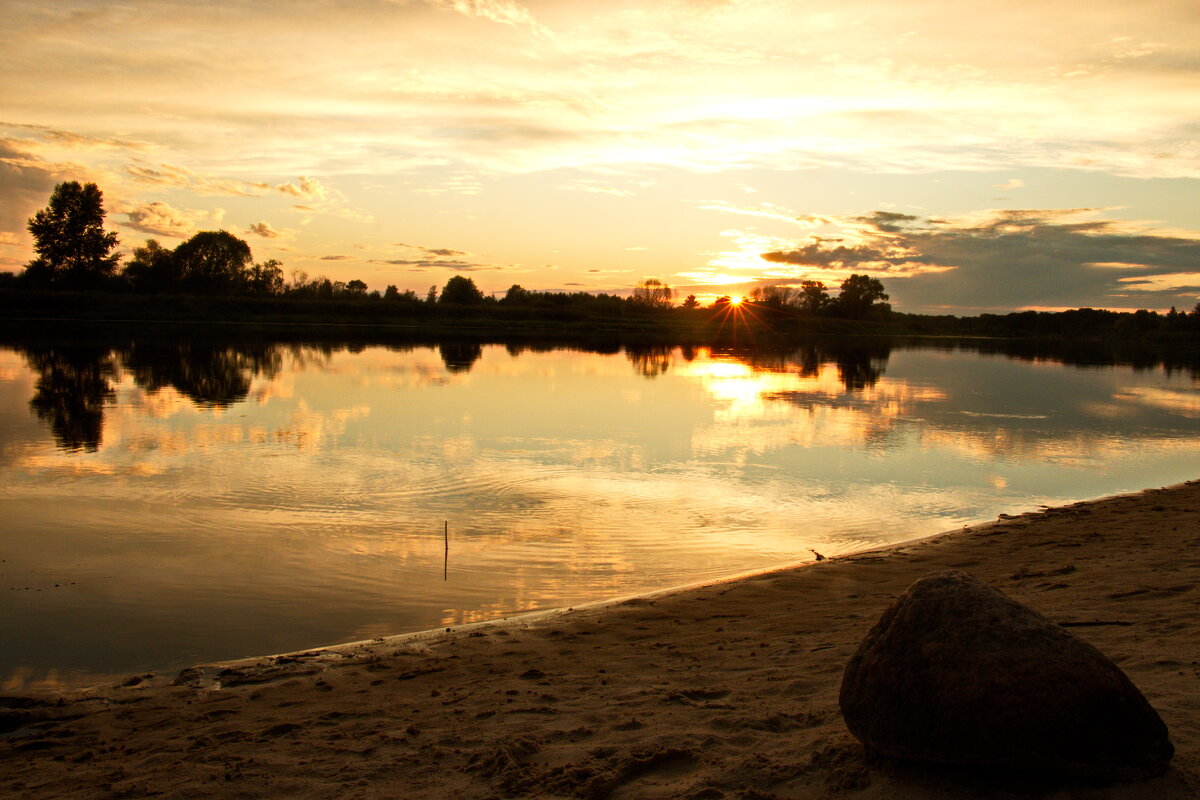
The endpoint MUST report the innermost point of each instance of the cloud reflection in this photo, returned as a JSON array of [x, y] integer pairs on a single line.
[[300, 488]]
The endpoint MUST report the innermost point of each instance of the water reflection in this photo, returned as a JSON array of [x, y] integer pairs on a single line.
[[860, 363], [460, 356], [184, 499], [73, 386], [76, 380], [211, 375]]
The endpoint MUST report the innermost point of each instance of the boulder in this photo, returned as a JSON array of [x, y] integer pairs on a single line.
[[957, 673]]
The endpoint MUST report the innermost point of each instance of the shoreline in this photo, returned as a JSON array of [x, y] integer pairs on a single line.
[[724, 689]]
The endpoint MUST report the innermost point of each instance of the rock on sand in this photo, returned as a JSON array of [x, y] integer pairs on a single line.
[[955, 672]]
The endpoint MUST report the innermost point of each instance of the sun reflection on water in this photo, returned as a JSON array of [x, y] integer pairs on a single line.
[[280, 498]]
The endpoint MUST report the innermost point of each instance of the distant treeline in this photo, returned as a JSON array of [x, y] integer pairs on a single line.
[[1080, 323], [213, 277]]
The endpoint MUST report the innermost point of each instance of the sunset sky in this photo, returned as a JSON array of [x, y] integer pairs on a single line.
[[974, 156]]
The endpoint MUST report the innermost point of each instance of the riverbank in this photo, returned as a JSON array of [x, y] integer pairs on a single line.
[[721, 691]]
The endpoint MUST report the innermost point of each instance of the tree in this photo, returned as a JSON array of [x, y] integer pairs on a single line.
[[691, 302], [356, 288], [652, 293], [213, 262], [431, 295], [151, 268], [266, 278], [859, 296], [776, 297], [73, 249], [516, 295], [461, 290], [814, 297]]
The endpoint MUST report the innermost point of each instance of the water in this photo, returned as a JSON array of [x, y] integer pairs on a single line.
[[170, 502]]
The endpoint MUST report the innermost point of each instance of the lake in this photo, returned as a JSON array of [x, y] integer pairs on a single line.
[[174, 499]]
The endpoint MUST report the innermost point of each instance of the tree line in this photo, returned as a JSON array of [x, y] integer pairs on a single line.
[[75, 252]]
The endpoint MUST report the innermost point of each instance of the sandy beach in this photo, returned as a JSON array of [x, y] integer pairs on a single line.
[[727, 690]]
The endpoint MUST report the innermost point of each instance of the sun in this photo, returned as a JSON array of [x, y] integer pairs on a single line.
[[736, 300]]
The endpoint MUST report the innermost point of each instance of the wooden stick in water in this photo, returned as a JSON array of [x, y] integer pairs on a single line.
[[446, 556]]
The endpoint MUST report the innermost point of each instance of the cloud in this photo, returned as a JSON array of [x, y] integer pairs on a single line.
[[419, 263], [817, 255], [887, 221], [175, 177], [434, 252], [743, 83], [160, 219], [9, 238], [764, 210], [264, 230], [305, 188], [598, 187], [78, 141], [1008, 259], [27, 180], [338, 258], [1171, 282], [1014, 183], [503, 12]]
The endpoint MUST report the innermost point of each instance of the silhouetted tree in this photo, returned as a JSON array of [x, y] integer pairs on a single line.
[[516, 295], [266, 278], [432, 295], [860, 295], [213, 262], [151, 268], [461, 290], [652, 293], [691, 302], [73, 249], [814, 298], [356, 288], [721, 303], [780, 298]]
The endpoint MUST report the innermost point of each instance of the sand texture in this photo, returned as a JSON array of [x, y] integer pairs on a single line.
[[723, 691]]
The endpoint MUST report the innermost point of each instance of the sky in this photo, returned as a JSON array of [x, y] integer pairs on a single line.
[[983, 156]]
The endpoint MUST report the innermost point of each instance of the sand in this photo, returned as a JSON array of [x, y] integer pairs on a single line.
[[722, 691]]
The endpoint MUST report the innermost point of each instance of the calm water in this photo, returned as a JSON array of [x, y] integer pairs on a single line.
[[166, 503]]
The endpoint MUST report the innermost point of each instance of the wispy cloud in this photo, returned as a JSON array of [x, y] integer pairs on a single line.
[[426, 263], [71, 139], [504, 12], [175, 177], [160, 219], [434, 252]]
